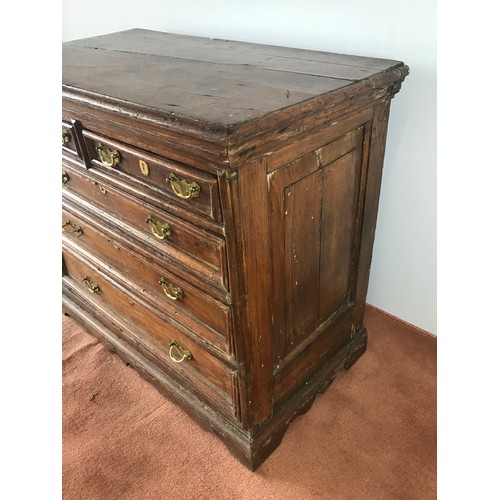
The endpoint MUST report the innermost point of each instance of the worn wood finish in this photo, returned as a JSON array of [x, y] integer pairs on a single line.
[[314, 208], [272, 257], [221, 126], [338, 224], [254, 265]]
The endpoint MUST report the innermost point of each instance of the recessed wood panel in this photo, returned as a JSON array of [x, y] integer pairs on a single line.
[[302, 254], [339, 203], [316, 212]]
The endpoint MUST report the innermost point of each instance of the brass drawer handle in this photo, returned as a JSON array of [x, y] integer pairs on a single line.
[[171, 291], [93, 287], [66, 137], [160, 229], [183, 188], [65, 177], [110, 157], [74, 228], [177, 353]]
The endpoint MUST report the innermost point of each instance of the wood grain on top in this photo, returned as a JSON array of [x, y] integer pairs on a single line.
[[215, 81]]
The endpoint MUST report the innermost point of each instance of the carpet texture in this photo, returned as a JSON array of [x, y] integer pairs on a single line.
[[371, 435]]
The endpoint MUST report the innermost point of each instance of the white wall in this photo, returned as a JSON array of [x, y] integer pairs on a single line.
[[403, 276]]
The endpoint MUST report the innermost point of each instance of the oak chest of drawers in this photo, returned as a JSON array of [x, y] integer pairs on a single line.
[[219, 210]]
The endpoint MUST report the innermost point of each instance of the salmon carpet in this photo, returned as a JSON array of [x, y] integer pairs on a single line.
[[371, 435]]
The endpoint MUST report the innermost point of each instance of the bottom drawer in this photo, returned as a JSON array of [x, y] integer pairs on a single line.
[[157, 336]]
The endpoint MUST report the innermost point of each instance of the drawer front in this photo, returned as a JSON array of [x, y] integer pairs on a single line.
[[178, 184], [199, 312], [69, 141], [197, 250], [179, 356]]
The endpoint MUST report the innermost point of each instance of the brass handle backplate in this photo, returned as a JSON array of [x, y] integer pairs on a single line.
[[143, 165], [73, 228], [177, 353], [110, 157], [66, 137], [93, 287], [159, 229], [171, 291], [65, 177], [183, 188]]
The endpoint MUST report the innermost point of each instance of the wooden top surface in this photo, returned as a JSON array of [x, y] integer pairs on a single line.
[[213, 81]]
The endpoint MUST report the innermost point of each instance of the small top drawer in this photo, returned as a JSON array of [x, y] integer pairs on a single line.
[[182, 185], [69, 140]]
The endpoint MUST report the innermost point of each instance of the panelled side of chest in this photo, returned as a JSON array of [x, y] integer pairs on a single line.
[[303, 222], [298, 225]]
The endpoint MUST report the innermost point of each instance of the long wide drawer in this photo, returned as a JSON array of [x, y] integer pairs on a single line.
[[156, 335], [199, 251], [204, 315], [193, 190]]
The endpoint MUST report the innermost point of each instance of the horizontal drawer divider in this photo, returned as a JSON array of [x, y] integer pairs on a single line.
[[100, 222], [119, 180], [204, 252]]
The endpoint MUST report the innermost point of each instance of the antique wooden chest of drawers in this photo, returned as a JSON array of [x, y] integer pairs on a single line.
[[219, 210]]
